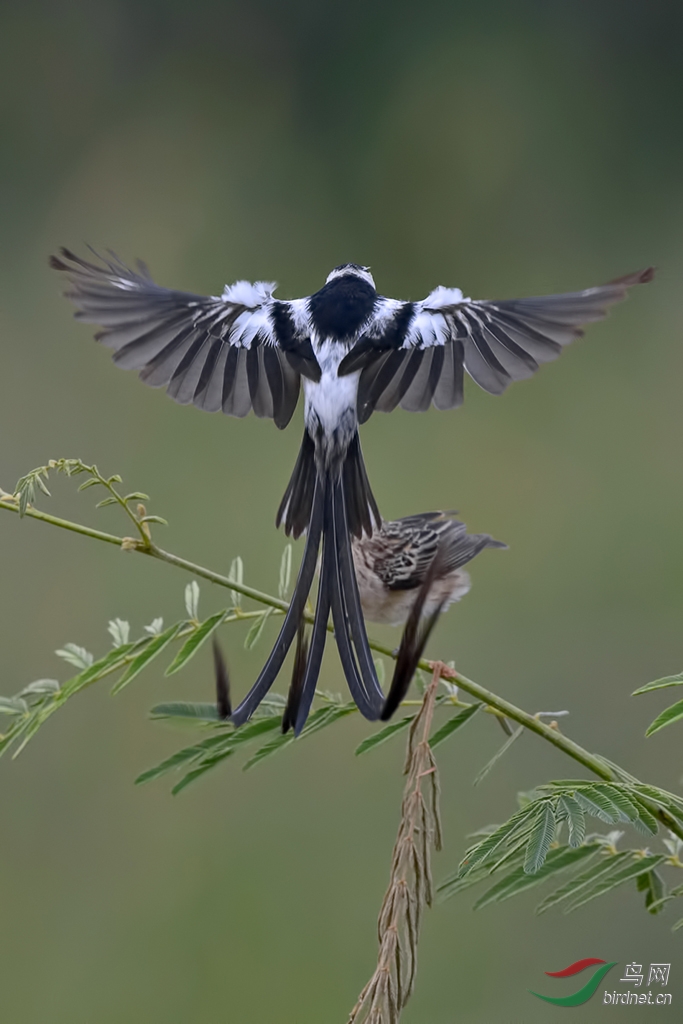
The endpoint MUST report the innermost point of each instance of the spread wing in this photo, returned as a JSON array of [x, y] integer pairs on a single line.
[[239, 351], [416, 353]]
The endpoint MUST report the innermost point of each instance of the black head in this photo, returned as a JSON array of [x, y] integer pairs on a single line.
[[344, 303]]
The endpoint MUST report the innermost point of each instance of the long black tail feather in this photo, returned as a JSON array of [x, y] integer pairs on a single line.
[[361, 507], [295, 508], [330, 598], [340, 619], [349, 588], [222, 682], [297, 681], [293, 616], [297, 502], [416, 633], [318, 636], [318, 503]]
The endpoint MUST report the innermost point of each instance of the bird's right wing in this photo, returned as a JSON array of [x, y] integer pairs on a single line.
[[415, 353], [238, 351]]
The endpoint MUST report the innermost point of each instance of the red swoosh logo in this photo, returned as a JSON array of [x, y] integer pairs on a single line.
[[575, 968]]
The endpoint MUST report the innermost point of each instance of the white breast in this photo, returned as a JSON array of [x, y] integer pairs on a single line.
[[332, 400]]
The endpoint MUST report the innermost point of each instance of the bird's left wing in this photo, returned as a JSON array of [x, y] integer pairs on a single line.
[[415, 353], [405, 548], [238, 351]]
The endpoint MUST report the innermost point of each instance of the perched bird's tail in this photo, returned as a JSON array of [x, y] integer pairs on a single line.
[[329, 504], [460, 547], [415, 635]]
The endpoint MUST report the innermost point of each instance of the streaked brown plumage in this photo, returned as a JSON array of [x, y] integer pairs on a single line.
[[392, 564]]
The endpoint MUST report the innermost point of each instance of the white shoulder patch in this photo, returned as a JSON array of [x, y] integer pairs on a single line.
[[386, 308], [299, 310], [443, 297], [385, 311], [244, 293]]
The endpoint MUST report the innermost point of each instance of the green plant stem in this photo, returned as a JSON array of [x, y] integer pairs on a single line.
[[87, 531], [551, 734], [131, 544]]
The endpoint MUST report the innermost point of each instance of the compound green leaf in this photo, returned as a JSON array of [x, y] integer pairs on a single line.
[[669, 715], [181, 757], [452, 725], [383, 735], [497, 756], [559, 859], [154, 648], [610, 881], [195, 641], [255, 630], [542, 835], [581, 882], [194, 710], [576, 820], [660, 684]]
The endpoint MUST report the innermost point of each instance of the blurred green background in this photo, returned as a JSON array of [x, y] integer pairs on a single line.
[[509, 149]]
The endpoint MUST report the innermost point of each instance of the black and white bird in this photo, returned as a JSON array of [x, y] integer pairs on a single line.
[[355, 351]]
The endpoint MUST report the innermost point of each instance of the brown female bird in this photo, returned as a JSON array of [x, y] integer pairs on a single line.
[[392, 564]]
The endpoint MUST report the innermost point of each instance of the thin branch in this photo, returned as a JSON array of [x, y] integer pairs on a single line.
[[132, 544], [10, 505], [551, 734]]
